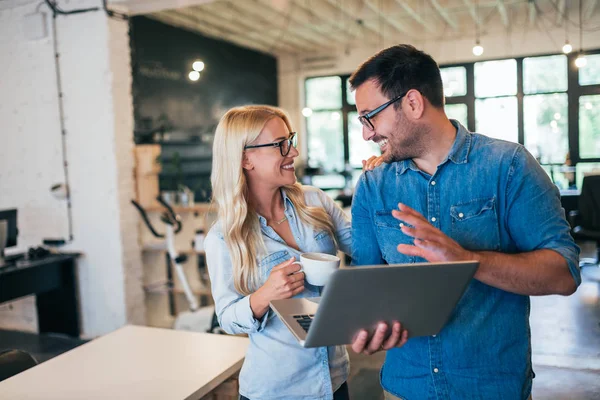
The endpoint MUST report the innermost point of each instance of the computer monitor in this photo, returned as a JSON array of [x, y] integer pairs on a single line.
[[10, 216]]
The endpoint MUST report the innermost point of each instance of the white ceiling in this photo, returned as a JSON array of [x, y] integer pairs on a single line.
[[322, 26]]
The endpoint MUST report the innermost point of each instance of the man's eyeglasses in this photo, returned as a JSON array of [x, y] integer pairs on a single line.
[[365, 120], [284, 145]]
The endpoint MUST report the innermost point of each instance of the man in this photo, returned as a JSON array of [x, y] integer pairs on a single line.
[[446, 194]]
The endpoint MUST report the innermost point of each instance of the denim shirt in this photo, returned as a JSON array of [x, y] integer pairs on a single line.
[[276, 365], [487, 194]]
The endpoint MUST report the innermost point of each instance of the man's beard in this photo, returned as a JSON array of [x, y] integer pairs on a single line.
[[406, 142]]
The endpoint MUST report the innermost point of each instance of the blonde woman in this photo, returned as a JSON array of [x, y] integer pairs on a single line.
[[265, 221]]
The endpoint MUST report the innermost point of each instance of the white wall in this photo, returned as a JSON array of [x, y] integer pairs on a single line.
[[96, 76], [522, 40]]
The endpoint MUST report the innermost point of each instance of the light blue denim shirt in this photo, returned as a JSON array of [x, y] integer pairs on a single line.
[[487, 194], [276, 366]]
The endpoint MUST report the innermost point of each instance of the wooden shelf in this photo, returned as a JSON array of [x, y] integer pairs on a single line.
[[200, 208]]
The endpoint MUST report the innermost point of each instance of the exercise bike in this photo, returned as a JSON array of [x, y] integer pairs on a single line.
[[197, 319]]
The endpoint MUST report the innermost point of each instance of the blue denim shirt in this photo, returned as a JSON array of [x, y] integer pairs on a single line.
[[487, 194], [276, 366]]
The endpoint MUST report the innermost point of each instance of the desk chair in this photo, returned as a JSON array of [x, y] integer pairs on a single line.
[[13, 362], [585, 222]]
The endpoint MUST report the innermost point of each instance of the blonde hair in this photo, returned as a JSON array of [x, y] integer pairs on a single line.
[[241, 227]]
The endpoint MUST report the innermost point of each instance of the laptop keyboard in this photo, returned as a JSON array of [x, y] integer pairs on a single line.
[[304, 320]]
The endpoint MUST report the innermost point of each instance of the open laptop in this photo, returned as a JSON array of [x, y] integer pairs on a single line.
[[421, 296]]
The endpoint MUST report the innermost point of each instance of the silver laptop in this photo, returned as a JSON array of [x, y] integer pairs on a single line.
[[421, 296]]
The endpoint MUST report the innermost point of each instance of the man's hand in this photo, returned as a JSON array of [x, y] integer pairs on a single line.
[[398, 338], [372, 163], [430, 243]]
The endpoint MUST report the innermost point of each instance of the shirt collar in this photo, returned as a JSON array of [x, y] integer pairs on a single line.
[[458, 154]]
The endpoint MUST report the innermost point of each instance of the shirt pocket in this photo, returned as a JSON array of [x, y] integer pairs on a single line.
[[324, 243], [475, 224], [267, 263], [389, 236]]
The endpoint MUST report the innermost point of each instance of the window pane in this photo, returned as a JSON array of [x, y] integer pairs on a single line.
[[458, 112], [328, 181], [455, 81], [590, 74], [497, 118], [495, 78], [325, 141], [547, 127], [589, 126], [324, 93], [584, 169], [350, 93], [545, 74], [359, 149]]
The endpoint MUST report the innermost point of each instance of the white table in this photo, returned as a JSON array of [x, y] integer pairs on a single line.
[[133, 363]]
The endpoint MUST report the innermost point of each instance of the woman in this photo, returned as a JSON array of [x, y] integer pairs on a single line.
[[265, 221]]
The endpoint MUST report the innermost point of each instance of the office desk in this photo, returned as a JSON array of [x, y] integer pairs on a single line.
[[134, 363], [52, 280]]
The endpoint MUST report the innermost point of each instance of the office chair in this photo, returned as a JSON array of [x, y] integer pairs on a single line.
[[13, 362], [585, 222]]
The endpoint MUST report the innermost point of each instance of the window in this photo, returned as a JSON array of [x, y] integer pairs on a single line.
[[590, 74], [545, 108], [542, 102], [458, 112], [589, 126], [455, 81]]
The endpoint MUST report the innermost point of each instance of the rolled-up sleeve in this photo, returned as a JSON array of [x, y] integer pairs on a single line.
[[233, 310], [535, 217]]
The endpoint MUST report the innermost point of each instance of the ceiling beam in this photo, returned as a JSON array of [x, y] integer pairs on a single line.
[[449, 20], [233, 33], [560, 14], [532, 12], [503, 12], [298, 23], [282, 31], [346, 17], [590, 8], [415, 15], [307, 18], [473, 12], [385, 17], [239, 24], [184, 22]]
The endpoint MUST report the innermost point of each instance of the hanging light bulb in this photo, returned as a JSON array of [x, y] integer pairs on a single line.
[[567, 48], [581, 61], [477, 49]]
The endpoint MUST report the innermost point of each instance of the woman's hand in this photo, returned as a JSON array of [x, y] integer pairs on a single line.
[[372, 163], [284, 282]]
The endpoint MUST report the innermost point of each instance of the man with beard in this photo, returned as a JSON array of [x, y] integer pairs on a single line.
[[446, 194]]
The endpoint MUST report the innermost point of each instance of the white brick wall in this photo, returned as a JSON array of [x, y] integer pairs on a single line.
[[95, 69]]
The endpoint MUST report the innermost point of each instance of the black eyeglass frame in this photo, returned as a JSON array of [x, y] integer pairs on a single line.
[[292, 141], [365, 120]]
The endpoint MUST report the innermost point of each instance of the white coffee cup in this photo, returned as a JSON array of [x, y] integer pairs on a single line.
[[318, 267]]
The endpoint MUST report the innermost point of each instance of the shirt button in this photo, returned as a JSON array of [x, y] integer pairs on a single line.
[[436, 370], [432, 183], [460, 215], [433, 219]]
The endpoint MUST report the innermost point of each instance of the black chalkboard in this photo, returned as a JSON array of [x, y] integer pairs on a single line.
[[181, 114]]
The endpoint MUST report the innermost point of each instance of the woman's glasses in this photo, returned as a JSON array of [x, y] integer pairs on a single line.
[[284, 145]]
